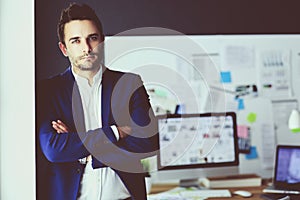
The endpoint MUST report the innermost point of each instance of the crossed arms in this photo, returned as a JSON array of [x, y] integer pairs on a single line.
[[61, 141], [60, 127]]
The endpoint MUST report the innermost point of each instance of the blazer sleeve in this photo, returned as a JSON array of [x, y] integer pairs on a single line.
[[54, 104], [65, 147], [143, 122], [131, 107]]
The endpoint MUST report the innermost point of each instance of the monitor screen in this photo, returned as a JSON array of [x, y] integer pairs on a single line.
[[287, 168], [197, 141]]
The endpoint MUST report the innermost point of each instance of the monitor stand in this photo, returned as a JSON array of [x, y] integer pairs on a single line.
[[189, 182]]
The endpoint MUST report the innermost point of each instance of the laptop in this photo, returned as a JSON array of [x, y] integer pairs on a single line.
[[287, 171]]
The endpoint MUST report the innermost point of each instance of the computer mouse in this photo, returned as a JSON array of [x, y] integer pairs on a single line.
[[243, 193]]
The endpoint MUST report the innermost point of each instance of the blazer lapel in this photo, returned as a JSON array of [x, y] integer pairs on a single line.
[[107, 87], [77, 109]]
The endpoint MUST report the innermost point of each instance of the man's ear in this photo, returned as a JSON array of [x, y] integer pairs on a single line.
[[63, 48]]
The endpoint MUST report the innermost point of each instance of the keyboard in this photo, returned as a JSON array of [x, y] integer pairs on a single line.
[[205, 193], [181, 193]]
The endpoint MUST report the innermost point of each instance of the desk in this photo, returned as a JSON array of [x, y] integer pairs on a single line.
[[256, 191]]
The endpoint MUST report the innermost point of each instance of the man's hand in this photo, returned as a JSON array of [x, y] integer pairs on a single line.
[[60, 127], [124, 131]]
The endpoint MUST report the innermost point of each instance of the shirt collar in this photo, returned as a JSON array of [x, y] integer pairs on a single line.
[[84, 81]]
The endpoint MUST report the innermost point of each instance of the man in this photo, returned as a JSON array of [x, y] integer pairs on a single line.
[[94, 125]]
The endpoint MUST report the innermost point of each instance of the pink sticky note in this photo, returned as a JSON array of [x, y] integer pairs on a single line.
[[242, 131]]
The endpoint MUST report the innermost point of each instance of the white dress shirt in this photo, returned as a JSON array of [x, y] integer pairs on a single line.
[[101, 183]]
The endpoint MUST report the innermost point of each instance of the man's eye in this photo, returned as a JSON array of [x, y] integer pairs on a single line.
[[75, 41], [94, 38]]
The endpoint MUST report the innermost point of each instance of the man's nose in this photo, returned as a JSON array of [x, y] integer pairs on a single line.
[[86, 47]]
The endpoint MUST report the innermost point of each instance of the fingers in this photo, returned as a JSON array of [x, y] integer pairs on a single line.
[[60, 127], [124, 131]]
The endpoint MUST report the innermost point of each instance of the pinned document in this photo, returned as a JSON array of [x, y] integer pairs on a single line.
[[236, 57], [275, 73], [244, 140]]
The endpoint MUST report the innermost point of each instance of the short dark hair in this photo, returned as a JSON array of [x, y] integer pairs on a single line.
[[76, 12]]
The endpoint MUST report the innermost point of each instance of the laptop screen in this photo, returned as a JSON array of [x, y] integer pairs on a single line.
[[287, 168]]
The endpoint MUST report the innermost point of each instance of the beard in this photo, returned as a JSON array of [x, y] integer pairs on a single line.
[[88, 66], [89, 61], [92, 63]]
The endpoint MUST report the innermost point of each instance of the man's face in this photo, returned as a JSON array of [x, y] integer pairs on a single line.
[[83, 45]]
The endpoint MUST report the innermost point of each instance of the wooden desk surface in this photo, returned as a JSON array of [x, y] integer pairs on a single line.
[[256, 191]]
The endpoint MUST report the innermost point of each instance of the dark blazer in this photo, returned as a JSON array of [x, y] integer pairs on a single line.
[[124, 102]]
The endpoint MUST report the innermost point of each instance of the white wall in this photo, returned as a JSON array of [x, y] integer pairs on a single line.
[[17, 100], [132, 54]]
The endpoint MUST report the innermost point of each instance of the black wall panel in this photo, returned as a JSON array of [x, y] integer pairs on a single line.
[[188, 17]]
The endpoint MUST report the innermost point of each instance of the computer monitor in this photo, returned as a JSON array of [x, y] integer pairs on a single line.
[[187, 142]]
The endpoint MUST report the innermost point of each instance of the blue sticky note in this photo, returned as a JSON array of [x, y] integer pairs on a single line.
[[241, 105], [253, 153], [225, 77]]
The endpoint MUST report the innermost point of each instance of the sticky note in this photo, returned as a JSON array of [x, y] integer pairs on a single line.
[[295, 130], [241, 105], [225, 77], [253, 153], [242, 131], [251, 117]]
